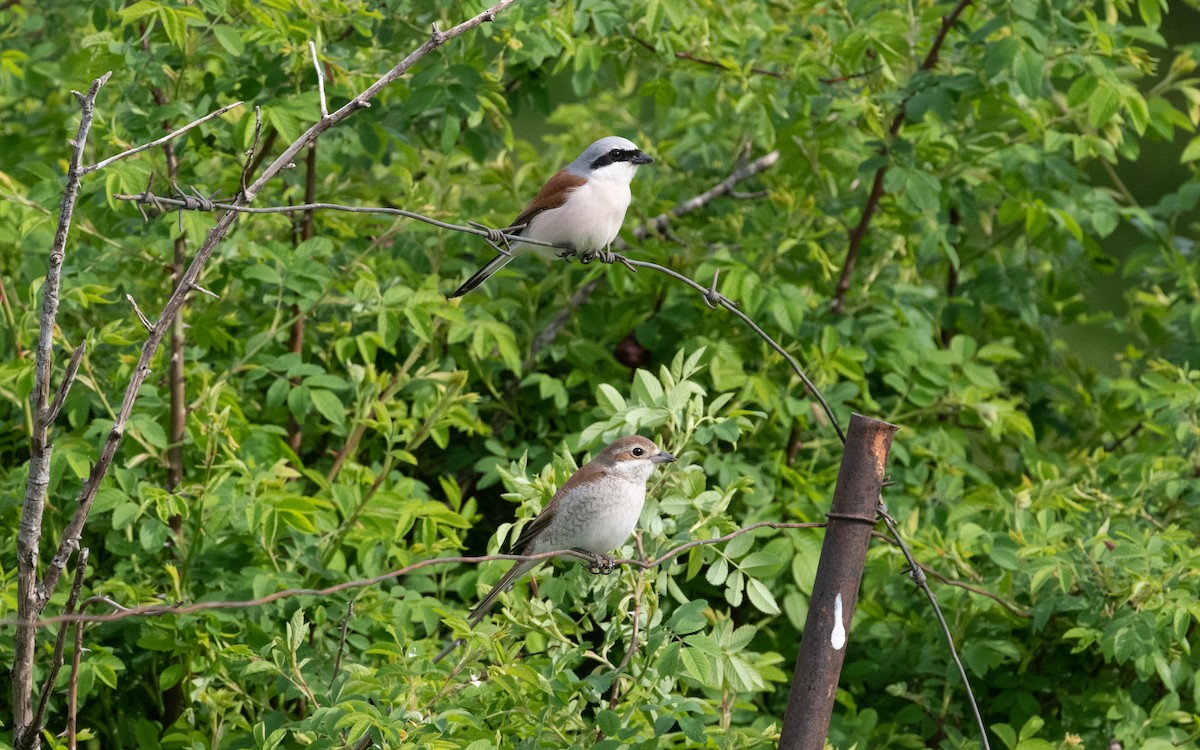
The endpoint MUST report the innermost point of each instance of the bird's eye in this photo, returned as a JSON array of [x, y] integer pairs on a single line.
[[616, 154], [637, 451]]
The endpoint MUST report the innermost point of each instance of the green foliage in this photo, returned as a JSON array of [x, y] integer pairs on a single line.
[[1025, 305]]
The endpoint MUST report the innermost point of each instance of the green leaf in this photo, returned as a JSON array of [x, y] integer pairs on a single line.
[[124, 515], [1103, 105], [1139, 111], [1082, 90], [1006, 734], [1027, 71], [696, 664], [1191, 152], [688, 618], [646, 388], [230, 40], [170, 676], [329, 405], [150, 431], [1151, 12], [761, 564], [140, 9], [609, 399], [761, 597], [174, 25], [608, 721]]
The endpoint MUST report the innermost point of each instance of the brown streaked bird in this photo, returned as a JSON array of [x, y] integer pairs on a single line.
[[582, 206], [594, 511]]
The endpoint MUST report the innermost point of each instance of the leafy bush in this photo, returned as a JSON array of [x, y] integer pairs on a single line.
[[1023, 305]]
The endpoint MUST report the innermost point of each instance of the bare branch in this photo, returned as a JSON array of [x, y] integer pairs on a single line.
[[159, 141], [141, 316], [312, 47], [202, 290], [30, 600], [64, 387], [250, 156], [56, 661]]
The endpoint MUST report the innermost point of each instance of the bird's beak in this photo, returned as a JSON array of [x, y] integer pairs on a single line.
[[663, 457], [641, 158]]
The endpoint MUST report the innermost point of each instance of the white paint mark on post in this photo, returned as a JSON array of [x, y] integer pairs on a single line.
[[838, 637]]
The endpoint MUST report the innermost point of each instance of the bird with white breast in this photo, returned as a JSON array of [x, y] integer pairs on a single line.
[[594, 511], [580, 208]]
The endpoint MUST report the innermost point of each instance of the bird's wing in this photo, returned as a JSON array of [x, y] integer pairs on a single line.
[[583, 476], [535, 527], [552, 195]]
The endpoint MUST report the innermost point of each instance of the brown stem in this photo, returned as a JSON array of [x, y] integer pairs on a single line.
[[337, 662], [872, 205], [710, 63], [955, 219], [296, 339], [173, 696], [262, 152], [856, 238], [634, 634]]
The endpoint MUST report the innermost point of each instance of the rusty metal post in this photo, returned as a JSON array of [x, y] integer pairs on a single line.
[[835, 590]]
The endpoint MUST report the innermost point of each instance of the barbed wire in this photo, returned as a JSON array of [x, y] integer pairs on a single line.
[[494, 237]]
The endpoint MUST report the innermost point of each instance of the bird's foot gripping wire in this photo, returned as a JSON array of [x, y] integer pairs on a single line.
[[605, 256], [601, 564]]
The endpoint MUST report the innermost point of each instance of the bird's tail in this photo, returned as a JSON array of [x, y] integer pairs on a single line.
[[485, 605], [482, 275]]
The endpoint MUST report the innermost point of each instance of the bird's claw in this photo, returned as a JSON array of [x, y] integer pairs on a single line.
[[604, 256], [602, 564]]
